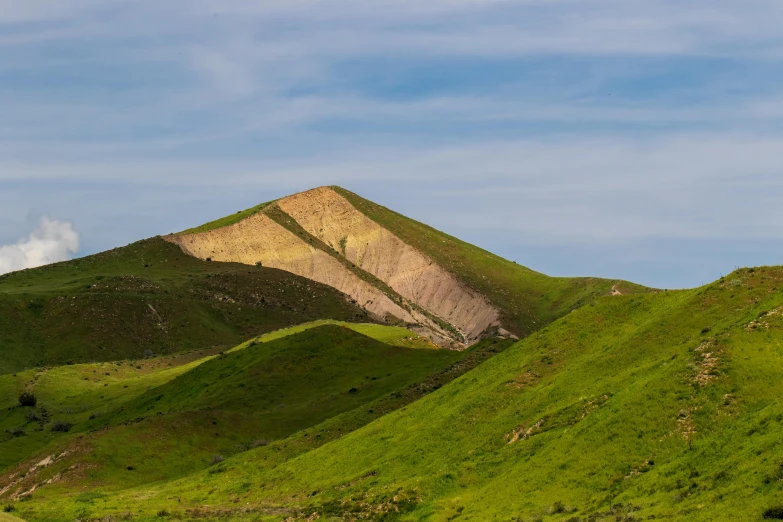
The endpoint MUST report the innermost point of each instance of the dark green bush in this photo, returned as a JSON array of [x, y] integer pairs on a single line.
[[62, 426], [28, 399], [773, 513]]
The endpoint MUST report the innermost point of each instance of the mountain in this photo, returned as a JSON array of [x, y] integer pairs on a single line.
[[398, 270], [287, 363]]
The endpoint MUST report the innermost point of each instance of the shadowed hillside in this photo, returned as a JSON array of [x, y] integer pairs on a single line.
[[149, 298]]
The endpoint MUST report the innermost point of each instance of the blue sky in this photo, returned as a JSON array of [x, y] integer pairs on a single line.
[[639, 140]]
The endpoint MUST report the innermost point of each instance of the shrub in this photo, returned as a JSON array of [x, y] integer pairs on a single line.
[[217, 459], [557, 507], [62, 426], [773, 513], [28, 399], [17, 432], [163, 513], [32, 416], [8, 508]]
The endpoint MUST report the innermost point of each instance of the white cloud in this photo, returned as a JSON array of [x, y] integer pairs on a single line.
[[50, 242]]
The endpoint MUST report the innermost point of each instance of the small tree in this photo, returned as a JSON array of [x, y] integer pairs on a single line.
[[28, 399]]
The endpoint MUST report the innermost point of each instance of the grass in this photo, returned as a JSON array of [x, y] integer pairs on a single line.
[[393, 335], [528, 300], [227, 220], [661, 405], [149, 297], [180, 418]]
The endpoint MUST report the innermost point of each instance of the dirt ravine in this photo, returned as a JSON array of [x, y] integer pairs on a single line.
[[331, 218], [260, 239]]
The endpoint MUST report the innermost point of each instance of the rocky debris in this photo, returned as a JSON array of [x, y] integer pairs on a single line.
[[707, 362], [521, 433]]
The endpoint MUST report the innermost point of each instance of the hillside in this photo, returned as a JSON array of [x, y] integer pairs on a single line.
[[399, 270], [130, 424], [660, 406], [149, 298]]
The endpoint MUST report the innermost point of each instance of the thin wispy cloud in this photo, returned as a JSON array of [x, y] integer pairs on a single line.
[[550, 122]]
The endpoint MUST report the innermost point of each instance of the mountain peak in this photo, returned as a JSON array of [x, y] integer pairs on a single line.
[[398, 270]]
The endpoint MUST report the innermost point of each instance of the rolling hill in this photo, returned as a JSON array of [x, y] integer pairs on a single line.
[[660, 406]]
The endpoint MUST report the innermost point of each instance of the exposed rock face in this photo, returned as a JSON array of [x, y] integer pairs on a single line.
[[260, 239], [330, 217], [325, 214]]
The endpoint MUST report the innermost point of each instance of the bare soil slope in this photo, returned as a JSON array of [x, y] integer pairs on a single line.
[[332, 219], [258, 239]]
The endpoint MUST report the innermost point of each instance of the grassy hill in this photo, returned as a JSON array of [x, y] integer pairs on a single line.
[[148, 298], [660, 406], [170, 421]]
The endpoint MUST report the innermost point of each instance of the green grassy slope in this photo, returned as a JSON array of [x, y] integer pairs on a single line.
[[78, 393], [658, 405], [227, 220], [235, 401], [149, 296], [394, 335], [527, 299]]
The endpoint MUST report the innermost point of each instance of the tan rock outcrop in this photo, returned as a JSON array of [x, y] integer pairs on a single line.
[[260, 239], [330, 217]]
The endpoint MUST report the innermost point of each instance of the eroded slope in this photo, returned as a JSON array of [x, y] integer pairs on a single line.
[[318, 234], [260, 240], [332, 219]]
